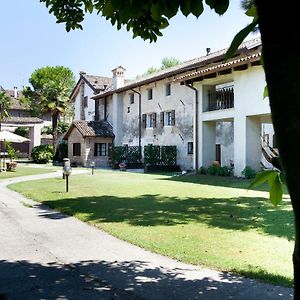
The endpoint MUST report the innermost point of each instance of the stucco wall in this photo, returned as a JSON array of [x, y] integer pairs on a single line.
[[181, 100], [89, 111], [87, 149]]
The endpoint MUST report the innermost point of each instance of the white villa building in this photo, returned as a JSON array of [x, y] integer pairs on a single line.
[[209, 108]]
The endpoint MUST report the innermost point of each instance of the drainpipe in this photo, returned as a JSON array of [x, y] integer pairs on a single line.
[[140, 123], [196, 123]]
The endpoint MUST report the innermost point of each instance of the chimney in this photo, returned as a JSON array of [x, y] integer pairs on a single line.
[[118, 77], [207, 51], [15, 92]]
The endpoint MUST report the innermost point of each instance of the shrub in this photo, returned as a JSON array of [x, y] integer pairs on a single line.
[[249, 173], [46, 130], [61, 152], [213, 170], [224, 171], [202, 170], [42, 154], [216, 169]]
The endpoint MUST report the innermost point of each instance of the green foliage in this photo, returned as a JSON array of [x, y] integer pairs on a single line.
[[276, 182], [42, 154], [11, 152], [22, 131], [46, 130], [166, 62], [61, 152], [62, 127], [151, 155], [168, 155], [248, 172], [202, 170], [218, 170], [5, 103], [144, 18]]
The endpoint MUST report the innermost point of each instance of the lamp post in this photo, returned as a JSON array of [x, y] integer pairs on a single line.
[[67, 170], [92, 164]]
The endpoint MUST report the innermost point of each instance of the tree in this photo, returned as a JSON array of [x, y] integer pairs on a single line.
[[5, 103], [166, 62], [51, 87], [281, 56]]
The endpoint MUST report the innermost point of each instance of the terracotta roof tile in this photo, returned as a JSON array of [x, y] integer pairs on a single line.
[[92, 129]]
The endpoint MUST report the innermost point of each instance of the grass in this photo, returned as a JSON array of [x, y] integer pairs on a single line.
[[26, 170], [195, 220]]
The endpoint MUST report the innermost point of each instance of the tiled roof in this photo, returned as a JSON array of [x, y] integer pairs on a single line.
[[92, 129], [216, 58], [16, 103], [22, 120], [98, 83]]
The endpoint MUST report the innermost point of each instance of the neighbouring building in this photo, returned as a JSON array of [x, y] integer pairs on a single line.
[[20, 116], [89, 141], [209, 108]]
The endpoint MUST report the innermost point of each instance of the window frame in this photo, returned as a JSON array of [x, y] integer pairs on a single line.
[[101, 149], [190, 148], [168, 89], [131, 98], [76, 149], [150, 94]]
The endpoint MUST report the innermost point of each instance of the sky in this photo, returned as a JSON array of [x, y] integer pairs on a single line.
[[30, 39]]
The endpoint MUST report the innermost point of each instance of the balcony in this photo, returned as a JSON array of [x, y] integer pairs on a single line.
[[221, 98]]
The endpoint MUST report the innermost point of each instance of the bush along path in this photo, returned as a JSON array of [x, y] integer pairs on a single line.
[[41, 246]]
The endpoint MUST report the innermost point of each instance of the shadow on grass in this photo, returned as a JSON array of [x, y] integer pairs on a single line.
[[231, 182], [124, 280], [243, 213]]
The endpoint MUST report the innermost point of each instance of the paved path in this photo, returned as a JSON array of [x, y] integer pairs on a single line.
[[47, 255]]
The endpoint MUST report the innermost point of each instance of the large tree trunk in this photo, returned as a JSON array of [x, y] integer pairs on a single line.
[[55, 115], [281, 52]]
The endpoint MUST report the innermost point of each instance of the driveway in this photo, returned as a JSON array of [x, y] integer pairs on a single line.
[[48, 255]]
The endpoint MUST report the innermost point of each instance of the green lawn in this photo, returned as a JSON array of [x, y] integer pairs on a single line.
[[189, 219], [24, 170]]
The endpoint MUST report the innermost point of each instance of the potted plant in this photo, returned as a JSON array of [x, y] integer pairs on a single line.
[[11, 154], [123, 166]]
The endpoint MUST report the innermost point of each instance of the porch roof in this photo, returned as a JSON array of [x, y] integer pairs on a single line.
[[22, 120], [91, 129]]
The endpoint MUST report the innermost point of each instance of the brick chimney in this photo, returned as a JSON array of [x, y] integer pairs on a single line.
[[15, 92], [118, 77]]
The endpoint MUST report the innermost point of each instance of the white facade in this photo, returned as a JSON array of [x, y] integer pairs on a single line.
[[84, 104], [250, 111]]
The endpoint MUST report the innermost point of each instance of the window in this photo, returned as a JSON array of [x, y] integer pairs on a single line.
[[85, 101], [100, 149], [150, 94], [151, 120], [168, 89], [169, 118], [76, 149], [131, 98], [128, 109], [190, 147]]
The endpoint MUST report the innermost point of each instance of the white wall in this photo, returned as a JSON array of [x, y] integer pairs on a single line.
[[181, 99], [89, 111]]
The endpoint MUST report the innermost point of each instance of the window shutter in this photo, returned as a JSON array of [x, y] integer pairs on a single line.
[[162, 119], [85, 101], [173, 117], [154, 119], [95, 149], [109, 150], [144, 118]]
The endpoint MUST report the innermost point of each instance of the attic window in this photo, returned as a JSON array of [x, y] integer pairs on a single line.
[[96, 81]]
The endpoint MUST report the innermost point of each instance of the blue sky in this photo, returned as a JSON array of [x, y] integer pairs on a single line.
[[30, 39]]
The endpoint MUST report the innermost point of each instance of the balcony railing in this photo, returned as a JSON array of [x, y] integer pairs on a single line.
[[222, 98]]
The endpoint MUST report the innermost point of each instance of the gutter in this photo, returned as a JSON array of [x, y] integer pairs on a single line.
[[140, 123], [196, 123]]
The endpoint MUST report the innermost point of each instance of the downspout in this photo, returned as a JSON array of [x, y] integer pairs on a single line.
[[196, 124], [140, 123]]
